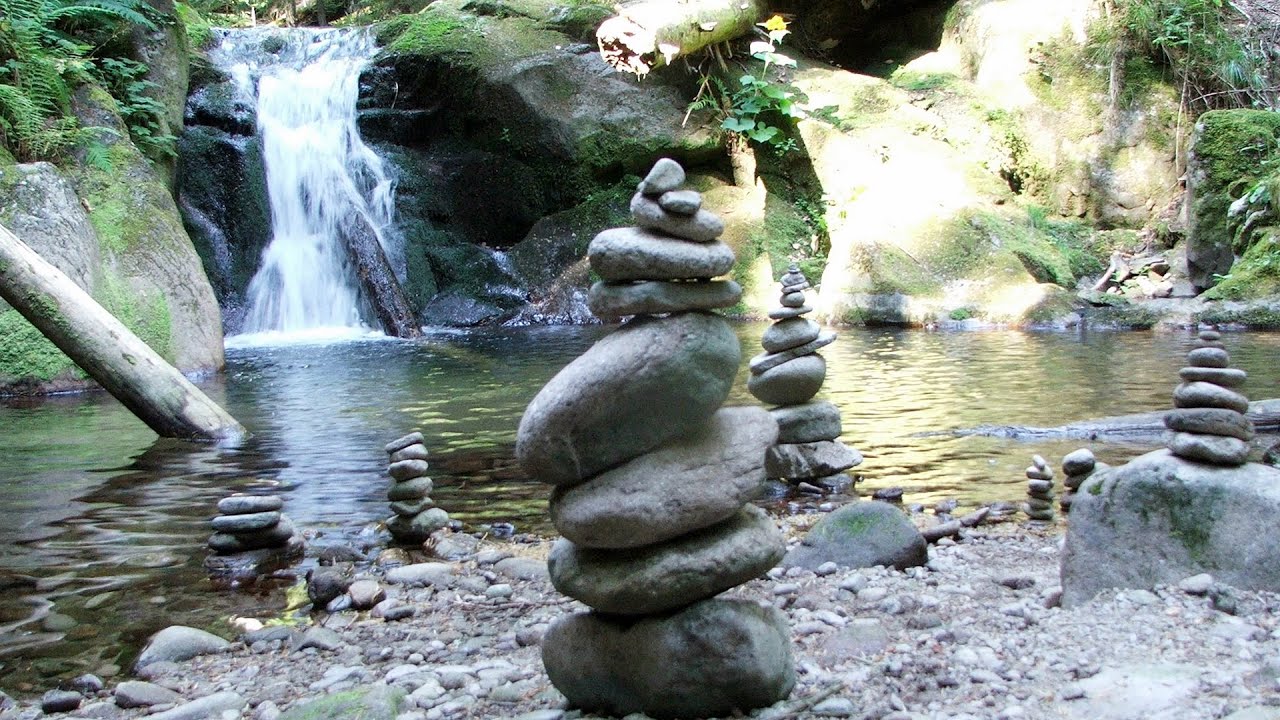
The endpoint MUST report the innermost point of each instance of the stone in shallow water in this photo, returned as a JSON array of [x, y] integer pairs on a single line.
[[1226, 377], [1208, 357], [801, 461], [413, 438], [418, 527], [249, 522], [409, 508], [711, 659], [665, 176], [248, 504], [809, 422], [414, 489], [700, 227], [652, 380], [1214, 449], [688, 484], [1208, 395], [629, 253], [655, 297], [1210, 421], [766, 361], [665, 576], [681, 202], [408, 469], [790, 383], [272, 537], [789, 333]]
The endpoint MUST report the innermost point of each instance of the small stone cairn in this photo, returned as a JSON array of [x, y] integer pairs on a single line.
[[652, 482], [1040, 490], [248, 523], [788, 374], [1077, 466], [1209, 423], [416, 516]]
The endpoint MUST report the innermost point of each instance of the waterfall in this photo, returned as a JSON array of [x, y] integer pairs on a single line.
[[322, 179]]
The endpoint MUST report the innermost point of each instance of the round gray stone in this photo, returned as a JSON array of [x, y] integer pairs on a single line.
[[136, 694], [655, 296], [702, 226], [409, 508], [766, 361], [653, 380], [177, 643], [248, 504], [1208, 395], [789, 333], [1208, 357], [413, 438], [668, 575], [862, 534], [681, 202], [1210, 421], [665, 176], [419, 527], [637, 254], [688, 484], [712, 659], [1078, 462], [410, 490], [792, 299], [1213, 449], [408, 469], [237, 524], [417, 451], [802, 461], [810, 422], [365, 594], [1040, 487], [790, 383], [1226, 377]]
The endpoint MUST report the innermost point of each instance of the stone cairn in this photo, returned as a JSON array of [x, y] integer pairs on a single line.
[[1209, 423], [1040, 490], [788, 374], [248, 523], [1077, 466], [416, 516], [652, 482]]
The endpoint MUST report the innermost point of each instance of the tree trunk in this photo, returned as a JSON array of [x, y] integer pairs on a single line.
[[652, 33], [378, 280], [104, 348]]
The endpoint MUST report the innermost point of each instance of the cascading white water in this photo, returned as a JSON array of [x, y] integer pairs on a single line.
[[318, 171]]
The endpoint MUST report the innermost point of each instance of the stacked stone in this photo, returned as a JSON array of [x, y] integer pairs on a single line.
[[416, 516], [1077, 466], [1209, 424], [1040, 490], [653, 481], [788, 374], [252, 522]]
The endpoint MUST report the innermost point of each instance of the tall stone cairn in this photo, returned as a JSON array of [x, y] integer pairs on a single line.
[[652, 482], [247, 523], [416, 516], [1040, 490], [1209, 423], [788, 374]]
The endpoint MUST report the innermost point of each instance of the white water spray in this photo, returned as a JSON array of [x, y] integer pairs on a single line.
[[319, 173]]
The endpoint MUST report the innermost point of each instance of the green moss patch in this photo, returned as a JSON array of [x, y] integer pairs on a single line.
[[26, 354], [1231, 147]]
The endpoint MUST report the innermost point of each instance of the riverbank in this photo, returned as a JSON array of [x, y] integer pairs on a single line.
[[976, 634]]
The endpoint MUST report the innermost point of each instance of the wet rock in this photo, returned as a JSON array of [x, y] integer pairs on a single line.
[[135, 694], [177, 643]]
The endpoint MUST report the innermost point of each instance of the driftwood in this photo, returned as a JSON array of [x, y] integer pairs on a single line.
[[104, 348], [378, 280], [1265, 415], [651, 33]]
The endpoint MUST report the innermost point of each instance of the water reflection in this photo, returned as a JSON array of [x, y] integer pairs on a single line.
[[104, 527]]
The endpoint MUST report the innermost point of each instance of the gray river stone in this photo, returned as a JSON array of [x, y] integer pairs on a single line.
[[767, 361], [414, 489], [702, 226], [790, 383], [408, 469], [712, 659], [1203, 394], [784, 313], [665, 176], [629, 253], [810, 422], [1210, 421], [135, 694], [789, 333], [272, 537], [249, 522], [413, 438], [209, 706], [792, 299], [693, 482], [177, 643], [859, 535], [668, 575], [409, 508], [432, 574], [1214, 449], [1226, 377], [417, 451], [656, 296], [681, 202], [1159, 519], [248, 504], [418, 527], [652, 380], [1208, 358], [1078, 462], [801, 461]]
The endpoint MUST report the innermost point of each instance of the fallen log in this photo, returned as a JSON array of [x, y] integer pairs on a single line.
[[152, 389], [651, 33], [1264, 414], [378, 280]]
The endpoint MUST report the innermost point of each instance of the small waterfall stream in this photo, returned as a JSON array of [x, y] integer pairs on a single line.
[[325, 185]]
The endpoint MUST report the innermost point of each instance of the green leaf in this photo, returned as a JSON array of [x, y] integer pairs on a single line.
[[738, 124], [763, 133]]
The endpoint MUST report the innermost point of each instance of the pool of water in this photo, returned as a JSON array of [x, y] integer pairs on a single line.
[[102, 527]]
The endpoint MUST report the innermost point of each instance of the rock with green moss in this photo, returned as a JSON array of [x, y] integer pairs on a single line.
[[864, 534]]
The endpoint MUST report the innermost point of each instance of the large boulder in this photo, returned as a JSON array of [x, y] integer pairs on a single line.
[[177, 643], [1159, 519], [863, 534]]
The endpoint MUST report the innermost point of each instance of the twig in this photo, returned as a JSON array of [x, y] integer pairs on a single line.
[[793, 709]]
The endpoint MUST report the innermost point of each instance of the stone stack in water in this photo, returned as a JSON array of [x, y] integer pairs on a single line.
[[252, 522], [788, 374], [1209, 423], [416, 516], [1040, 490], [653, 479], [1077, 466]]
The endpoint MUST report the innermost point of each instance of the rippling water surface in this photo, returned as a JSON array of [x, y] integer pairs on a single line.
[[102, 528]]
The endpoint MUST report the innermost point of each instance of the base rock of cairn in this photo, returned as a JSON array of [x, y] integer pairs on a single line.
[[1040, 490], [788, 374], [652, 480], [1196, 507], [250, 534], [416, 516]]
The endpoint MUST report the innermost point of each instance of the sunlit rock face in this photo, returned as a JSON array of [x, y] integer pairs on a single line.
[[653, 482]]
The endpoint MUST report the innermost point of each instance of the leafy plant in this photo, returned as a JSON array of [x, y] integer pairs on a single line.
[[142, 114]]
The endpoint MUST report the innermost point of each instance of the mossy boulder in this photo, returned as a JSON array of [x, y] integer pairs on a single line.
[[864, 534]]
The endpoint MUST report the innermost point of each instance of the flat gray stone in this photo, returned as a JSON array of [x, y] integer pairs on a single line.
[[209, 706], [1208, 358], [789, 333], [374, 702], [809, 422], [409, 508], [249, 522], [653, 297], [413, 438], [407, 469], [1078, 462], [767, 361], [1226, 377], [249, 504], [1043, 488], [422, 575], [702, 226], [60, 701], [803, 461], [668, 575], [417, 451], [791, 383], [651, 381], [859, 535], [688, 484], [628, 253], [136, 693], [177, 643], [784, 313], [665, 176], [1213, 449], [419, 527], [1210, 421], [273, 537], [716, 658], [411, 490], [681, 202], [522, 568], [1202, 395]]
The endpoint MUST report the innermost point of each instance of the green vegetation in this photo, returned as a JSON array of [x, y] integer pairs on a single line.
[[26, 353]]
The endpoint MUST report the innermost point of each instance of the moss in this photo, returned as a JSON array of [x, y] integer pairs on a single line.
[[1191, 514], [915, 81], [26, 354], [199, 30], [1230, 147], [145, 314], [1094, 487], [1256, 317], [1255, 275]]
